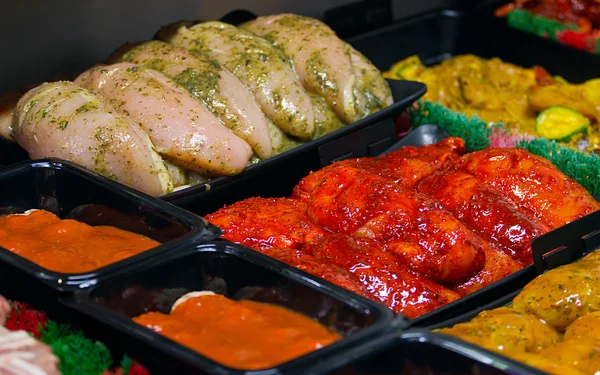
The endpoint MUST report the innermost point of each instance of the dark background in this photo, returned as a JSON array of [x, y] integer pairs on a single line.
[[43, 39]]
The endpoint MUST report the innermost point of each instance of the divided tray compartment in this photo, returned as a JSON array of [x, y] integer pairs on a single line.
[[560, 246], [70, 191], [438, 35], [424, 352], [238, 273]]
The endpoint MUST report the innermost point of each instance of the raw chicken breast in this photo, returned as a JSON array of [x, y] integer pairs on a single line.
[[327, 65], [222, 93], [65, 121], [182, 129], [264, 69]]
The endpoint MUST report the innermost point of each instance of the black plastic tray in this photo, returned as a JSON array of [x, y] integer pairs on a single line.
[[236, 272], [365, 137], [70, 191], [418, 352], [438, 35]]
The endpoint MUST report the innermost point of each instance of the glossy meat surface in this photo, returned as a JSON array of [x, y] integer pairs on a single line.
[[317, 267], [264, 69], [266, 222], [406, 166], [582, 354], [497, 266], [562, 295], [222, 93], [431, 241], [327, 65], [504, 329], [65, 121], [382, 273], [180, 126], [531, 182], [494, 217]]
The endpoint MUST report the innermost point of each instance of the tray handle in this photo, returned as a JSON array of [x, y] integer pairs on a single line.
[[567, 243]]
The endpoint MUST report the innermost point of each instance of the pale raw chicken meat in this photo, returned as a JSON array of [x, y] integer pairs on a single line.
[[65, 121], [222, 93], [263, 68], [182, 129], [327, 65], [21, 354]]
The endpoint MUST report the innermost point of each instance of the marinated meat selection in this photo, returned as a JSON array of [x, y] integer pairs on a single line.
[[528, 101], [419, 227], [208, 100], [245, 335], [552, 324], [68, 246]]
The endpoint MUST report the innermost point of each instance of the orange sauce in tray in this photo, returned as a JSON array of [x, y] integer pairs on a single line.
[[245, 335], [68, 246]]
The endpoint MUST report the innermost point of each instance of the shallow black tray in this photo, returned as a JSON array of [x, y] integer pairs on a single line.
[[438, 35], [236, 272], [365, 137], [70, 191], [424, 352]]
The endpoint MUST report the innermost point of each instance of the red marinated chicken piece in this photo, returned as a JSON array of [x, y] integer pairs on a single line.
[[266, 222], [532, 183], [431, 241], [317, 267], [497, 266], [409, 165], [382, 273], [493, 216], [406, 166]]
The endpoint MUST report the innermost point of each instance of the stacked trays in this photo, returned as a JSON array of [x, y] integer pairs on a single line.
[[70, 191], [237, 273], [439, 35]]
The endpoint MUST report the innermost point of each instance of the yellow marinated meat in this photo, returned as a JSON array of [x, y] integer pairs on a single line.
[[550, 365], [586, 326], [500, 92], [506, 330], [582, 354], [565, 299], [562, 295]]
